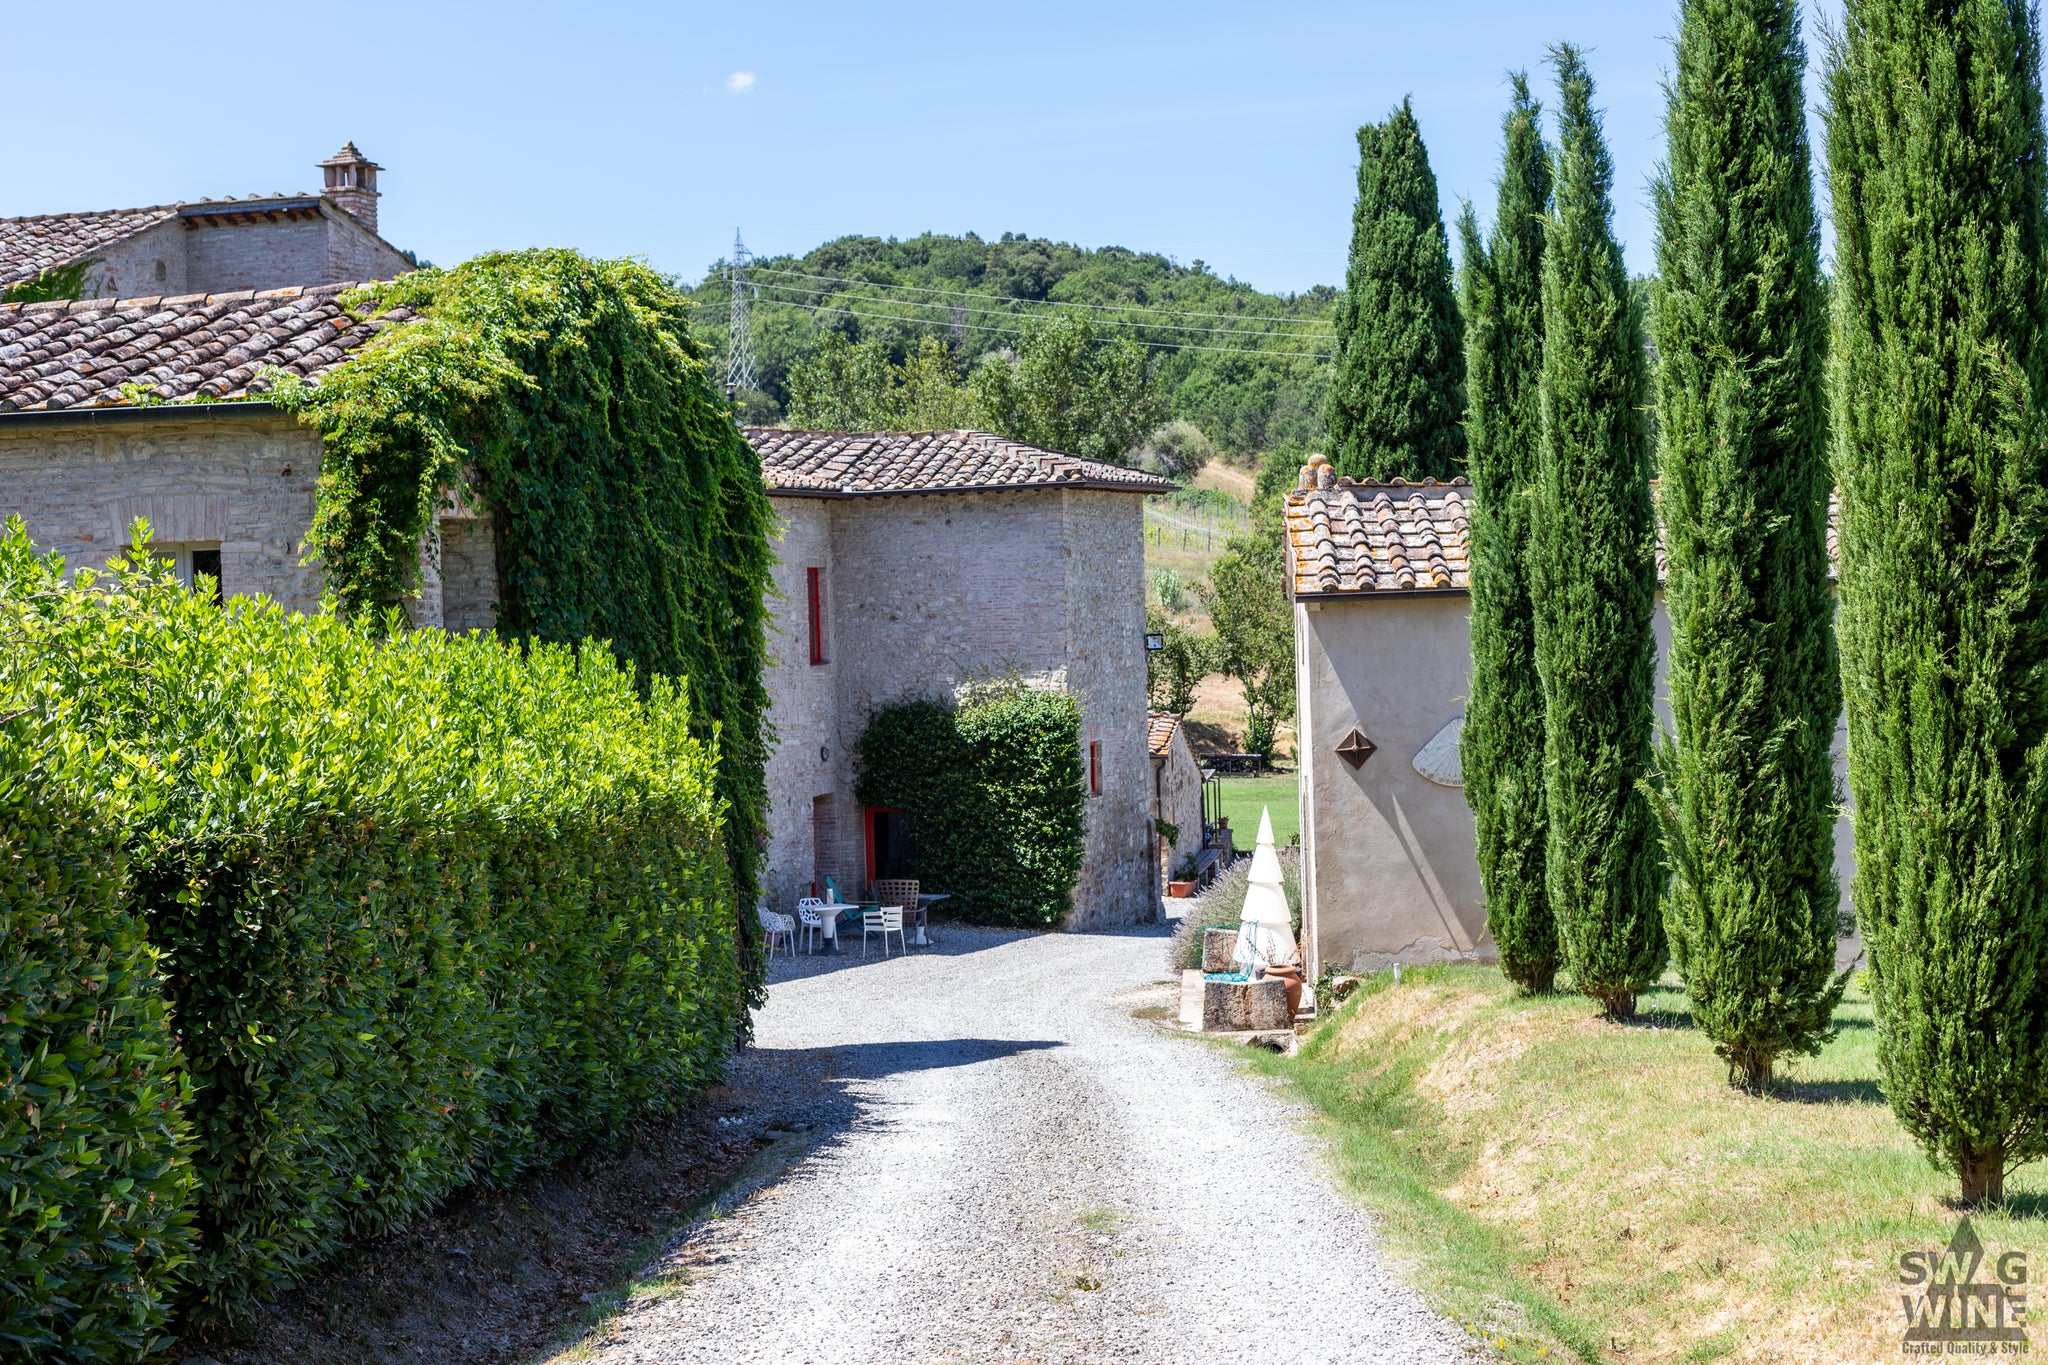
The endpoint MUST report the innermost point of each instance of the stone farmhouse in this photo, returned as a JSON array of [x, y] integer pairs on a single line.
[[910, 564], [216, 246], [1380, 579], [913, 564]]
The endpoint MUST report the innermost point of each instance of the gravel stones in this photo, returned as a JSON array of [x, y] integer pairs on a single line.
[[1019, 1170]]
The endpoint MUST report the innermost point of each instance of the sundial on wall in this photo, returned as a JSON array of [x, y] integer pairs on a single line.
[[1438, 760]]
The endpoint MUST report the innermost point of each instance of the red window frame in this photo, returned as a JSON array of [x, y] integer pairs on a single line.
[[1095, 767], [812, 581]]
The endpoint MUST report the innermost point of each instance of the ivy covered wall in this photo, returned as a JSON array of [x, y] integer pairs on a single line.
[[567, 395]]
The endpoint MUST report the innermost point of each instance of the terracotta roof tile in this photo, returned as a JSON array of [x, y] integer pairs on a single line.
[[826, 463], [69, 355], [1159, 731], [1348, 538]]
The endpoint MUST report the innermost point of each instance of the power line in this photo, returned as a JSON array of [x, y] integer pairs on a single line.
[[1018, 332], [1010, 298], [740, 373], [1006, 313]]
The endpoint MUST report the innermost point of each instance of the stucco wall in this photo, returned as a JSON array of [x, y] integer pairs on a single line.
[[244, 481], [1391, 873]]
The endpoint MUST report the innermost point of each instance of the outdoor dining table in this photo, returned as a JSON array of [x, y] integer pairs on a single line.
[[924, 905], [829, 914]]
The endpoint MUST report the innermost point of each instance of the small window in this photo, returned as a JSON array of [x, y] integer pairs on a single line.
[[197, 566], [814, 585], [1095, 767]]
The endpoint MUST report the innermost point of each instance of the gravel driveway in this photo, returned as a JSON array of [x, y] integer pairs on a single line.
[[1010, 1167]]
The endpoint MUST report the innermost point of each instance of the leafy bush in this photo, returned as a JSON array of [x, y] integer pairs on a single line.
[[1179, 449], [993, 791], [92, 1136], [432, 910]]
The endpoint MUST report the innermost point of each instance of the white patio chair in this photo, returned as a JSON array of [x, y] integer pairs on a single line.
[[774, 926], [885, 921], [810, 918]]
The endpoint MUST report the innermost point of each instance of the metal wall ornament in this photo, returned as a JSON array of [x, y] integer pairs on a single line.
[[1355, 748]]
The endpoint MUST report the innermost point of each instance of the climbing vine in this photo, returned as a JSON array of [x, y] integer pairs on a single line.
[[566, 396]]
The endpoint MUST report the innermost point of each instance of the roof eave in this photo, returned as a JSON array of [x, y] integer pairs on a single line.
[[781, 491], [124, 415], [1372, 594]]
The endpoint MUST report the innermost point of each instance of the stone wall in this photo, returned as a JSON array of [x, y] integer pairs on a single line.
[[809, 759], [208, 256], [469, 574], [243, 481], [1177, 784], [152, 262], [1104, 558]]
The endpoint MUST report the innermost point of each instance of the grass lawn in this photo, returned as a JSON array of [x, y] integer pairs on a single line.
[[1244, 796], [1568, 1187]]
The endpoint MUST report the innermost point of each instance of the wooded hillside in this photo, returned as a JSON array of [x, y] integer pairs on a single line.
[[1249, 368]]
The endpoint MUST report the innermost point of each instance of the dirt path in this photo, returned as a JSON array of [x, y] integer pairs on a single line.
[[1016, 1169]]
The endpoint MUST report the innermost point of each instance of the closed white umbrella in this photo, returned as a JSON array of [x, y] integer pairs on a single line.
[[1265, 935]]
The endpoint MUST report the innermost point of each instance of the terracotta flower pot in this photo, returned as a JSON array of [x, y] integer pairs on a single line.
[[1180, 891], [1290, 974]]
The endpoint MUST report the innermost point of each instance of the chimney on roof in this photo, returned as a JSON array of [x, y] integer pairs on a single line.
[[352, 184]]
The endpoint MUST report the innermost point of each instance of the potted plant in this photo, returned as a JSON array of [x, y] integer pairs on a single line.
[[1182, 884]]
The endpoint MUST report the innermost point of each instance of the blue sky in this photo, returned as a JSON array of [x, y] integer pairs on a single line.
[[1215, 131]]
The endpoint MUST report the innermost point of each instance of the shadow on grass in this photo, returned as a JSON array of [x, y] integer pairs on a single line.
[[2031, 1204], [1829, 1092]]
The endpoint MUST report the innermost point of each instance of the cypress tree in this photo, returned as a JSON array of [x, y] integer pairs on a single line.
[[1749, 795], [1502, 287], [1936, 155], [1397, 399], [1595, 577]]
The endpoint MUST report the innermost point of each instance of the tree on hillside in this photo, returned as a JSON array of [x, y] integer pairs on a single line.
[[1502, 746], [1397, 401], [1595, 577], [1263, 387], [1174, 673], [1070, 390], [1936, 160], [857, 387], [1748, 784]]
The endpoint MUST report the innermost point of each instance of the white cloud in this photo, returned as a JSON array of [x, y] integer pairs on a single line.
[[740, 82]]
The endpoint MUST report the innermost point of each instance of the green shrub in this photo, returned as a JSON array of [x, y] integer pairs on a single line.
[[993, 791], [94, 1180], [432, 910]]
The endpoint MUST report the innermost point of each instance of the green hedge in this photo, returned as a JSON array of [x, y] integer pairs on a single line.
[[993, 791], [431, 909], [94, 1179]]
